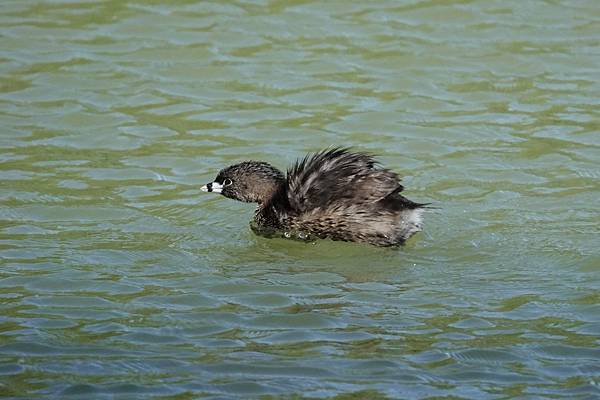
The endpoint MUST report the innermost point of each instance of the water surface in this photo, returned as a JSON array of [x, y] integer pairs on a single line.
[[120, 279]]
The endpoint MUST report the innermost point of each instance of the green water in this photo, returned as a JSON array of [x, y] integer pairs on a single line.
[[119, 278]]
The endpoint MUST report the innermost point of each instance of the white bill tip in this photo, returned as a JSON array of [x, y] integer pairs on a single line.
[[215, 187]]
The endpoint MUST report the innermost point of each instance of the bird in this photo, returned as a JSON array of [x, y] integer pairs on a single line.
[[336, 194]]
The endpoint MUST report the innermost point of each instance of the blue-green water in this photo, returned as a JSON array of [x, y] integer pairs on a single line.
[[120, 279]]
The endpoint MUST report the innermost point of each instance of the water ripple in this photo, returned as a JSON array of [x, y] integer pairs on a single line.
[[120, 278]]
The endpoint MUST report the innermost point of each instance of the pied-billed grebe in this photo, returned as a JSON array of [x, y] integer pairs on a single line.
[[335, 194]]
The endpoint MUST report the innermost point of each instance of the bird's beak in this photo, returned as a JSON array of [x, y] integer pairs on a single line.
[[212, 187]]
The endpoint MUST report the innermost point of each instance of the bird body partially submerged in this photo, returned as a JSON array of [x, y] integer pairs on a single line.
[[335, 194]]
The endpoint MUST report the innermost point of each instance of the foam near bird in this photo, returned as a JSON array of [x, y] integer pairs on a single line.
[[336, 194]]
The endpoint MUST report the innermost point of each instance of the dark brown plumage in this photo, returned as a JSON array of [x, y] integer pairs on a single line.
[[335, 194]]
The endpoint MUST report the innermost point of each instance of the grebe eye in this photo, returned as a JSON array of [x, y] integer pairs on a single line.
[[227, 182]]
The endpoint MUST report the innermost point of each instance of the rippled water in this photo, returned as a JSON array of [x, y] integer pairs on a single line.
[[121, 279]]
